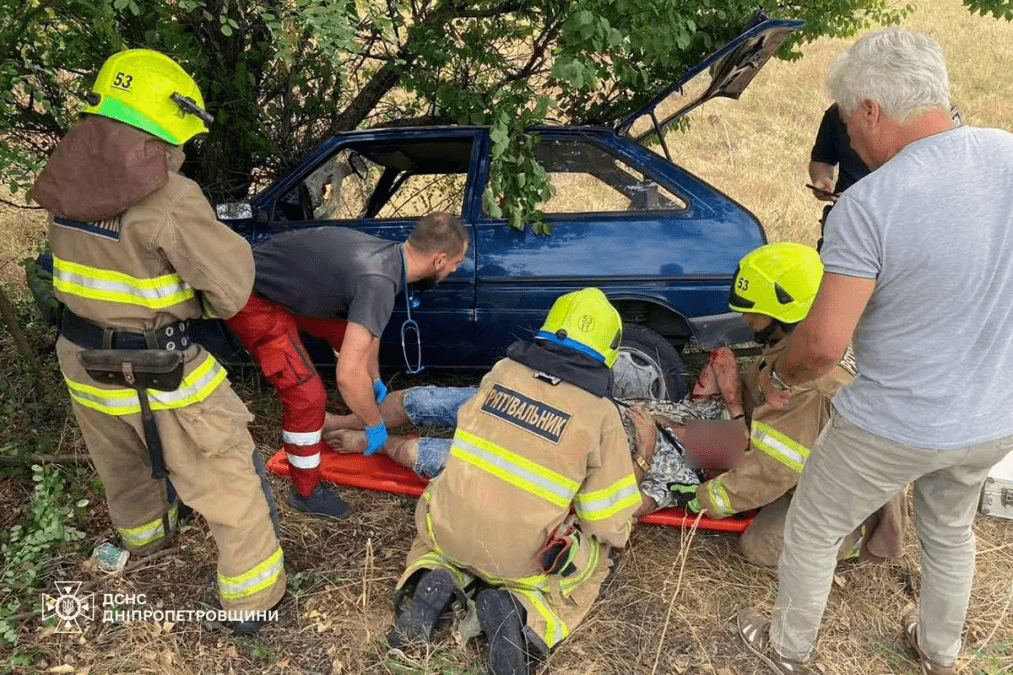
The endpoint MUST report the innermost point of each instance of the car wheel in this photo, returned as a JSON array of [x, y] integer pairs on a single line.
[[648, 366]]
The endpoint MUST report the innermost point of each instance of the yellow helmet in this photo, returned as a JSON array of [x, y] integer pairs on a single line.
[[586, 321], [148, 90], [779, 280]]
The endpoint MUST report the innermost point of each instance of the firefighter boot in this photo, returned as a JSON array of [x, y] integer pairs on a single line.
[[415, 622], [502, 621], [251, 626], [321, 502]]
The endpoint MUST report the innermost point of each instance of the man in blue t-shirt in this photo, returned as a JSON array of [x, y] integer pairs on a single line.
[[918, 275]]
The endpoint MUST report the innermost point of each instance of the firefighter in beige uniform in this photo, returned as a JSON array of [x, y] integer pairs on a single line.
[[136, 250], [540, 436], [774, 288]]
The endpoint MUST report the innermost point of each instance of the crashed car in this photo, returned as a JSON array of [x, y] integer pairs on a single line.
[[660, 242]]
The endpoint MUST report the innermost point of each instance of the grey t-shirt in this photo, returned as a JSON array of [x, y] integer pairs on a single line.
[[331, 273], [934, 347]]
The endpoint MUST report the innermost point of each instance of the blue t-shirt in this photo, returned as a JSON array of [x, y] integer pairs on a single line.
[[934, 347]]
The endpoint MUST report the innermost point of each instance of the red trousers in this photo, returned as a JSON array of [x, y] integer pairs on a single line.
[[271, 334]]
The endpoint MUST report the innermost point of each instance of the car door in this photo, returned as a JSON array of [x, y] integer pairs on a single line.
[[382, 183]]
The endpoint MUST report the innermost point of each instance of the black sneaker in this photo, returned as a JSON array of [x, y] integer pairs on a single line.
[[415, 622], [502, 621], [322, 502]]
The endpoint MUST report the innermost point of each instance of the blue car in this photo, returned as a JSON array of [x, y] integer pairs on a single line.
[[660, 242]]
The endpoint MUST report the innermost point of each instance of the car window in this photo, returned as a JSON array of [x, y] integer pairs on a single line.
[[586, 178], [419, 194], [383, 179], [338, 190]]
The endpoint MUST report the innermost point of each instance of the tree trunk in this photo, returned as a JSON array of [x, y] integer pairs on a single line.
[[7, 312]]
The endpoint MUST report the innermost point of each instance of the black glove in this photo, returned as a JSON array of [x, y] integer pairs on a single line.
[[685, 496], [554, 556]]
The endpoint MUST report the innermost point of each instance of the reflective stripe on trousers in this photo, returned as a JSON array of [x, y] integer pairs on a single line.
[[195, 387], [144, 534], [530, 587], [302, 441], [254, 580]]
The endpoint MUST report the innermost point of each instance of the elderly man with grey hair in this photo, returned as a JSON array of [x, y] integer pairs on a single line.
[[919, 274]]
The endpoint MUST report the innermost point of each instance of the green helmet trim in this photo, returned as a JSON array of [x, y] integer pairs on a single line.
[[118, 110]]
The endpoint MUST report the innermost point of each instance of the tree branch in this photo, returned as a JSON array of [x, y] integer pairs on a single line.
[[21, 206], [505, 8]]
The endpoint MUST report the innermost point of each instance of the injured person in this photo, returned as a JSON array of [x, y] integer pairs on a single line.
[[654, 430], [671, 442]]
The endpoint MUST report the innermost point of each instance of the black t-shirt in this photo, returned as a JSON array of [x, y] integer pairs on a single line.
[[832, 147], [331, 273]]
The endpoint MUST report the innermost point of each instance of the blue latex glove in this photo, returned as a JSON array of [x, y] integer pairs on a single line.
[[379, 391], [376, 437]]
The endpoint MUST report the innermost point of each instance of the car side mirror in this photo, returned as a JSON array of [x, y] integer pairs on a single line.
[[234, 211], [358, 165]]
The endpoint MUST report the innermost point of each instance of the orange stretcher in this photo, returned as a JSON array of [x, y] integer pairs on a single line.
[[380, 473]]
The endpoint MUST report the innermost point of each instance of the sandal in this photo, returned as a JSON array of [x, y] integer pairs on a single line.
[[912, 622], [754, 630]]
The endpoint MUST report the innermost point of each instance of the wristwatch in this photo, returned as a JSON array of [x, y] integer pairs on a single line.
[[776, 381]]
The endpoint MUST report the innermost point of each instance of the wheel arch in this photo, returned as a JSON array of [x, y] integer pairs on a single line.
[[655, 314]]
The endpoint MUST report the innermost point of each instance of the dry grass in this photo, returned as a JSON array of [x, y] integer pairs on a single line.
[[21, 233], [757, 148], [671, 607]]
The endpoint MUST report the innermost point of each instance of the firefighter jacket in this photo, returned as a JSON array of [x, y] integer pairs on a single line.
[[530, 446], [136, 246], [779, 440], [779, 444]]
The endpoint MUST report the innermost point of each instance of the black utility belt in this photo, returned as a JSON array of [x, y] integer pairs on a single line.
[[90, 335]]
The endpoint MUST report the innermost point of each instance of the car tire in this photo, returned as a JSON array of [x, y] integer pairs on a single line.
[[648, 366]]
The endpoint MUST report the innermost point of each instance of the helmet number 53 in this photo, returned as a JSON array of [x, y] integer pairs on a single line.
[[122, 80]]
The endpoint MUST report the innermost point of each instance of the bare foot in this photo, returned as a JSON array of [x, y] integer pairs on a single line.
[[334, 422], [707, 383], [346, 441]]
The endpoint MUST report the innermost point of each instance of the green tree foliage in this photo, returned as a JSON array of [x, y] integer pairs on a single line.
[[282, 75]]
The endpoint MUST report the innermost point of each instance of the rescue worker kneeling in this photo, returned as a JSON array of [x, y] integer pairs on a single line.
[[137, 253], [541, 436]]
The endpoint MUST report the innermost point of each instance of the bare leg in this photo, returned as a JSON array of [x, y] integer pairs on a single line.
[[402, 449], [720, 375], [647, 507], [392, 410]]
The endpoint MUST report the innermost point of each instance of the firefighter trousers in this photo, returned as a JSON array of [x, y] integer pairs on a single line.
[[210, 456], [271, 334], [554, 605]]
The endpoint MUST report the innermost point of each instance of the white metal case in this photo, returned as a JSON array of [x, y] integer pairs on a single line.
[[997, 493]]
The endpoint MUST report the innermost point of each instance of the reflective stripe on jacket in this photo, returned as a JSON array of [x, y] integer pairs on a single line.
[[154, 263], [97, 284], [526, 450], [779, 442], [159, 261]]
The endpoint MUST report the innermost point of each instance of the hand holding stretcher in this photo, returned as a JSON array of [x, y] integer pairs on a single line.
[[556, 556]]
